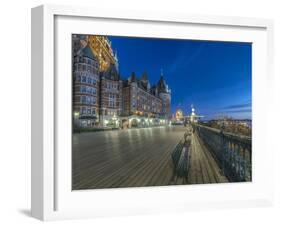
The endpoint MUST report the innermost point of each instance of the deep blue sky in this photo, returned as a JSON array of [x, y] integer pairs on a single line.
[[213, 76]]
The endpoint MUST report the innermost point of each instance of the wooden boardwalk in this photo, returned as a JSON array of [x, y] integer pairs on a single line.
[[203, 167], [136, 158]]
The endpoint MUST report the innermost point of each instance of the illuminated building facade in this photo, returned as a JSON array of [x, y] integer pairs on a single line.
[[86, 85], [164, 93], [139, 98], [145, 105], [179, 115], [110, 97], [101, 46], [102, 98]]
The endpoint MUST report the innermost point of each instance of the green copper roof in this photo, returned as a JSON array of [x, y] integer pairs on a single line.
[[87, 52]]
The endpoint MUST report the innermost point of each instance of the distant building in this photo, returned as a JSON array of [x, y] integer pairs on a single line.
[[179, 115], [193, 117]]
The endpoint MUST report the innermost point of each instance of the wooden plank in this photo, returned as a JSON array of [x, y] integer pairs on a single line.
[[214, 170], [141, 162]]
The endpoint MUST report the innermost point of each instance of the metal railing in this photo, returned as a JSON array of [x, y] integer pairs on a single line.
[[232, 152]]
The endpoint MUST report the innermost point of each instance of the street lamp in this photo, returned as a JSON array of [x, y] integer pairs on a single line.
[[76, 119], [76, 114], [114, 118]]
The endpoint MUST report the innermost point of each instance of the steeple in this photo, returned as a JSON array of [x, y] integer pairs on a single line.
[[144, 76], [133, 77]]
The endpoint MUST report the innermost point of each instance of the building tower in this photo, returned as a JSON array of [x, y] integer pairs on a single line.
[[85, 88], [165, 95], [110, 97], [193, 116]]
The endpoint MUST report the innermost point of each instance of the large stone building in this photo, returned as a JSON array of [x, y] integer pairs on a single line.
[[143, 104], [110, 97], [102, 98], [86, 83]]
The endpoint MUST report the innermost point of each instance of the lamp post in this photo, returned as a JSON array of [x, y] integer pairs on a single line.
[[76, 119], [114, 118]]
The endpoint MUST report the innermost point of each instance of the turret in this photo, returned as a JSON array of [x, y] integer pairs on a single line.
[[164, 94]]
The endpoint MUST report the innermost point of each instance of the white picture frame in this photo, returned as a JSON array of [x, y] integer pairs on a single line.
[[52, 197]]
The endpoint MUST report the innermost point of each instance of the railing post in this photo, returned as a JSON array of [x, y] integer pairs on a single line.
[[229, 150], [222, 151]]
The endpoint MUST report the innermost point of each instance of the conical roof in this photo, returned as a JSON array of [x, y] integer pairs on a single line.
[[161, 85], [144, 77], [133, 77]]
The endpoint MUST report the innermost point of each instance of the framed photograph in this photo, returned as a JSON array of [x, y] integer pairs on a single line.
[[137, 112]]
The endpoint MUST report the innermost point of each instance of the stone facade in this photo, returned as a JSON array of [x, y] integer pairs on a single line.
[[86, 83], [110, 97], [102, 98], [140, 99]]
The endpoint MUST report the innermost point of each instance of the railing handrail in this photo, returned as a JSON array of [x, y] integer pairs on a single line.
[[240, 138], [233, 152]]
